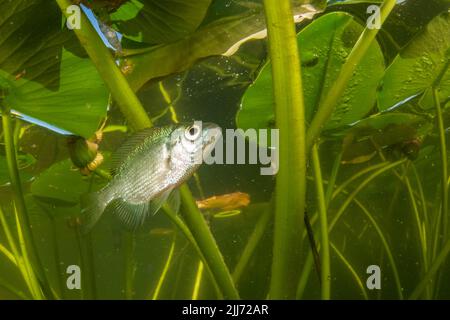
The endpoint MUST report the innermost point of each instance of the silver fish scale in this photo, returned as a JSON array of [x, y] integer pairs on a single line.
[[144, 175]]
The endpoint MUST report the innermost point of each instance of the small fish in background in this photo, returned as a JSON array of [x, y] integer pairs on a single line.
[[147, 168], [226, 202]]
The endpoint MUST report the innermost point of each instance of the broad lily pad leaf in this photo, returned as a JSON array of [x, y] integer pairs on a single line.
[[402, 24], [401, 132], [77, 106], [41, 80], [156, 21], [423, 63], [27, 28], [219, 37], [324, 46]]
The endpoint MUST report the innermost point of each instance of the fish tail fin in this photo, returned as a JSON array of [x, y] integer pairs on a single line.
[[93, 205]]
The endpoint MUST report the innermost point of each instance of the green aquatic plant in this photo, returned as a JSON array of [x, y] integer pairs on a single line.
[[290, 116]]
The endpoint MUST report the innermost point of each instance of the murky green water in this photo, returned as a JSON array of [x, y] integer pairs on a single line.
[[384, 146]]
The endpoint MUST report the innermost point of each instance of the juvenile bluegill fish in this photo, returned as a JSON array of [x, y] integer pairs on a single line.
[[147, 167]]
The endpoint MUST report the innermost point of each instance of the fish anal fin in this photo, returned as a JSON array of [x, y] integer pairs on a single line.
[[134, 215], [130, 214]]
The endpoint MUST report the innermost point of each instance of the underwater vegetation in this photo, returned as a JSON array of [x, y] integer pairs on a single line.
[[99, 199]]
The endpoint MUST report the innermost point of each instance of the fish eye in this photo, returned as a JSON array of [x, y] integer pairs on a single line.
[[192, 132]]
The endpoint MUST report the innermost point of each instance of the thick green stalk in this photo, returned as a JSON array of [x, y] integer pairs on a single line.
[[22, 214], [290, 118], [333, 96], [207, 244], [325, 275], [106, 66]]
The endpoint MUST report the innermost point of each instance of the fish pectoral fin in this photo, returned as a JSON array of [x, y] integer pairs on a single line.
[[156, 203], [174, 200], [132, 215]]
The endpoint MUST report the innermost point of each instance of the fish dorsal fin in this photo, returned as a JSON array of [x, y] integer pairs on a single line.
[[132, 143]]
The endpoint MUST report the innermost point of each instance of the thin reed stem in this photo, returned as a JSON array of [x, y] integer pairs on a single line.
[[324, 243], [165, 270], [24, 223]]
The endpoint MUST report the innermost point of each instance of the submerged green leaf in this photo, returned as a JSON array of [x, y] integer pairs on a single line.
[[77, 106], [423, 63], [60, 184], [401, 26], [219, 37], [155, 21], [30, 45], [40, 79], [324, 46], [400, 131]]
